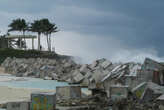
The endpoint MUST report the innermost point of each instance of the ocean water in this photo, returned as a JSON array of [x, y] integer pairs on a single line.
[[23, 82], [26, 82]]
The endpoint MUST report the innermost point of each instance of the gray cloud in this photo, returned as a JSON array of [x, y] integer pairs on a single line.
[[105, 26]]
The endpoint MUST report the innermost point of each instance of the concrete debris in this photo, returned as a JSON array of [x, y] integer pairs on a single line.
[[161, 98], [47, 78], [43, 101], [150, 64], [139, 90], [68, 92], [22, 105], [84, 69], [106, 64], [148, 91], [118, 92], [77, 77], [40, 67], [54, 76], [94, 64], [117, 86], [152, 92]]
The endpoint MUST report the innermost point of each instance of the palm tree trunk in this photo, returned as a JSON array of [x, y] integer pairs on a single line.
[[24, 39], [39, 47], [32, 43], [20, 43], [48, 42]]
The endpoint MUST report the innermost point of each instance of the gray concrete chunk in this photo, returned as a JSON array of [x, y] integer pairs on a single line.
[[19, 105], [77, 76], [106, 64]]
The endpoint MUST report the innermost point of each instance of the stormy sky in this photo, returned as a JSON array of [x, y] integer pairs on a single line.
[[119, 30]]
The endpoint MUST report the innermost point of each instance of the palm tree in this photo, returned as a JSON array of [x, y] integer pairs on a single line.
[[19, 25], [45, 28], [48, 29], [37, 26], [52, 29]]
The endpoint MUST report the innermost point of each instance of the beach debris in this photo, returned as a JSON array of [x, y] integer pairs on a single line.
[[43, 101], [68, 92], [19, 105]]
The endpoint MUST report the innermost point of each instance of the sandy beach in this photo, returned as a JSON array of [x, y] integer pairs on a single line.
[[2, 70], [8, 94]]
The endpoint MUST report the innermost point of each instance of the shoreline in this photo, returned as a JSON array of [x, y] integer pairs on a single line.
[[9, 94]]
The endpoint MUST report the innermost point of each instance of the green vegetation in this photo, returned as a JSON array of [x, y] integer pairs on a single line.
[[3, 42], [42, 26], [19, 25], [4, 53]]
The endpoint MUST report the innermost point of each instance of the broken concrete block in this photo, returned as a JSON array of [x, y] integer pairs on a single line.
[[77, 77], [68, 92], [101, 60], [106, 64], [134, 69], [161, 107], [67, 65], [47, 78], [19, 105], [152, 92], [93, 65], [43, 101], [88, 74], [98, 75], [161, 98], [150, 95], [84, 69], [160, 101], [139, 90], [118, 92], [85, 82], [54, 76], [150, 64]]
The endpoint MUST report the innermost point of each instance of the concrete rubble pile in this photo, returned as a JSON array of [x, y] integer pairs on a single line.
[[114, 86], [40, 68]]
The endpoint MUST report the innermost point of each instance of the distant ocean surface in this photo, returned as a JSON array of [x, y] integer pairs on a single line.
[[24, 82]]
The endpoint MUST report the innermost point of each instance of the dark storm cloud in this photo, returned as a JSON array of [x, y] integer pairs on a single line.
[[135, 23]]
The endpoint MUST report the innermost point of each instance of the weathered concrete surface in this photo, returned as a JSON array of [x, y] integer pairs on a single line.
[[40, 67], [18, 105], [152, 92], [139, 90], [43, 101], [119, 92], [150, 64], [68, 92], [76, 108]]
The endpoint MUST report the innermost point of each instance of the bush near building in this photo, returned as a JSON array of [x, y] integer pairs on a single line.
[[7, 52]]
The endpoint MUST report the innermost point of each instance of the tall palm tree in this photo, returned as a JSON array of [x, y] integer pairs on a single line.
[[37, 26], [19, 25], [52, 29], [45, 28], [48, 29]]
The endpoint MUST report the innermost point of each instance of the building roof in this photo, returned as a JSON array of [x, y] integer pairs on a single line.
[[21, 36]]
